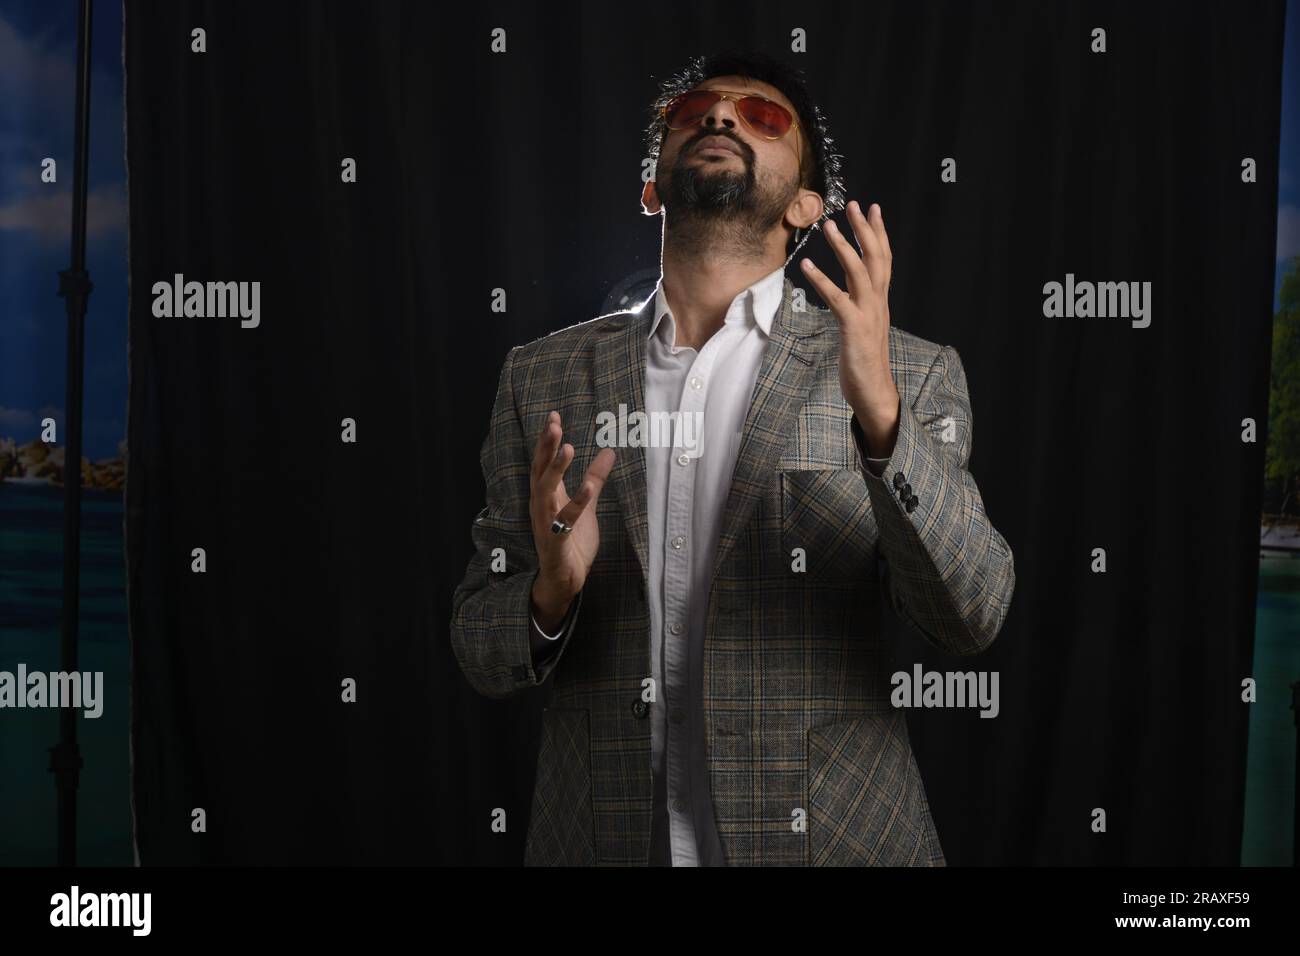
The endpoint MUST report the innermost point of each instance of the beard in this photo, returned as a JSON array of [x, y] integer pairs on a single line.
[[712, 208]]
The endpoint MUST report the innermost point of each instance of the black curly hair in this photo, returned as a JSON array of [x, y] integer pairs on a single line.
[[823, 176]]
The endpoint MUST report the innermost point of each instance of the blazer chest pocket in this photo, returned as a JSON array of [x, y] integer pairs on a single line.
[[827, 513], [866, 802], [561, 830]]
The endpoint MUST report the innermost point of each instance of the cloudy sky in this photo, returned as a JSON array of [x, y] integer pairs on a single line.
[[37, 96], [1288, 199]]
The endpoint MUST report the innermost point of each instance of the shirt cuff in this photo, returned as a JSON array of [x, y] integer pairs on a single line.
[[544, 645], [877, 465], [558, 634]]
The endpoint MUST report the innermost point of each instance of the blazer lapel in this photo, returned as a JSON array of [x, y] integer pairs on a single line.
[[786, 376], [620, 380]]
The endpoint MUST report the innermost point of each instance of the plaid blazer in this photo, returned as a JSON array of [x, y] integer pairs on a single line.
[[808, 761]]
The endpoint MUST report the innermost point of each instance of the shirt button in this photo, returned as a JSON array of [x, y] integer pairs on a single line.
[[683, 459], [676, 628], [679, 806], [697, 383], [678, 542], [678, 715]]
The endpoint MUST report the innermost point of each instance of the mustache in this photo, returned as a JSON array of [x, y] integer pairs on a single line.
[[741, 148]]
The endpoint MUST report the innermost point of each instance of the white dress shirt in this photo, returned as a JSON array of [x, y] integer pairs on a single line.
[[687, 490]]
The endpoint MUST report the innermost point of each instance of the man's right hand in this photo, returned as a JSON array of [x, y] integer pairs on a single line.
[[563, 559]]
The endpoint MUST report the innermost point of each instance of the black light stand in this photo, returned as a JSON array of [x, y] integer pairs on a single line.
[[74, 286]]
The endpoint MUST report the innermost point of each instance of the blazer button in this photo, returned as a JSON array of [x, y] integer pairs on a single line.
[[906, 492], [640, 708], [899, 479], [911, 504]]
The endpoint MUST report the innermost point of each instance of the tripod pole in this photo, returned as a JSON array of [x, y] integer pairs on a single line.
[[74, 286]]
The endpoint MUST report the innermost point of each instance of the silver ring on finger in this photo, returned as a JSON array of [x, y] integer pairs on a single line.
[[561, 527]]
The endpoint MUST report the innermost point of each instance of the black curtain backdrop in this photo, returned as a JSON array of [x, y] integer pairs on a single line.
[[522, 171]]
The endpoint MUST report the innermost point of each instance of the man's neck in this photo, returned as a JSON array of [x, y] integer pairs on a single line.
[[700, 291]]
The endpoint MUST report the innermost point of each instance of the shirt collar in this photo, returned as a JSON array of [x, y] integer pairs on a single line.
[[757, 303]]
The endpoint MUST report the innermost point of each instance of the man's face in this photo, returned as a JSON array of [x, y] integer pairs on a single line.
[[720, 169]]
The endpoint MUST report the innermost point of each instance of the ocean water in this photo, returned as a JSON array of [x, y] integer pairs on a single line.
[[31, 594], [1269, 827]]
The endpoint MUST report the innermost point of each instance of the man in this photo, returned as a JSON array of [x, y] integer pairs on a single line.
[[711, 622]]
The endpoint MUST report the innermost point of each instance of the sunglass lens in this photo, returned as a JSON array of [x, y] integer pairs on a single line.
[[765, 117], [689, 108]]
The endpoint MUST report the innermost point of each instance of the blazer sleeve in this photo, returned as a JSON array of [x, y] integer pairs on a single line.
[[491, 620], [945, 568]]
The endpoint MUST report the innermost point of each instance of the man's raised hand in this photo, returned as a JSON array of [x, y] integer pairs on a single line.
[[563, 559], [863, 313]]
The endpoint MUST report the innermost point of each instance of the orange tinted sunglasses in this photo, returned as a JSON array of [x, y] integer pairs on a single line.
[[764, 117]]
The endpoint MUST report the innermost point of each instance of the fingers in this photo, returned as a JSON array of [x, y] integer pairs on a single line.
[[878, 221], [547, 444], [551, 484], [550, 459], [871, 240], [831, 294], [869, 267], [874, 242], [856, 275], [592, 484]]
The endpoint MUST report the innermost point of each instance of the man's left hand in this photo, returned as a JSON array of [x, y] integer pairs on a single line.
[[863, 314]]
